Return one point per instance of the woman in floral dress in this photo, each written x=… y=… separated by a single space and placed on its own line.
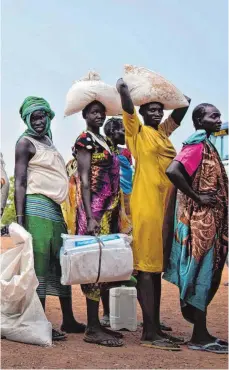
x=97 y=205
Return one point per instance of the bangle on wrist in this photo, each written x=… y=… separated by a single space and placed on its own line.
x=19 y=215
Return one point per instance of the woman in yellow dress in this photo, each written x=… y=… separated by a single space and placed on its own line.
x=150 y=199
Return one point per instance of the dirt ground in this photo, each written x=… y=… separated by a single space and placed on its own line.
x=74 y=353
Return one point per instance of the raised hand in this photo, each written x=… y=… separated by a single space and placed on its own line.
x=121 y=85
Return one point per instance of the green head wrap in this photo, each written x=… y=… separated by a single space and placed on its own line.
x=30 y=105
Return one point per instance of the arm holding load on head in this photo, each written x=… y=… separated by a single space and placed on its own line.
x=174 y=120
x=127 y=104
x=179 y=113
x=131 y=121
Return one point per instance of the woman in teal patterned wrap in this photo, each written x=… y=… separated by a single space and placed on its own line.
x=200 y=240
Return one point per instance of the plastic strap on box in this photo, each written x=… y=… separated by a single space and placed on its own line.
x=101 y=244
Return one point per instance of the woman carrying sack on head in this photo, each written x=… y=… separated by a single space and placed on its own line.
x=94 y=175
x=153 y=152
x=115 y=131
x=98 y=206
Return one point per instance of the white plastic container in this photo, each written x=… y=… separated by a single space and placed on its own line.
x=84 y=260
x=123 y=308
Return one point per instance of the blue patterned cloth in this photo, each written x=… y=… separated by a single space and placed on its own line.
x=126 y=174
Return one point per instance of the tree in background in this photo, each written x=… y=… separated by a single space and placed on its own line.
x=9 y=214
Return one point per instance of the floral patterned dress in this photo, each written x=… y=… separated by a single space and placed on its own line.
x=105 y=188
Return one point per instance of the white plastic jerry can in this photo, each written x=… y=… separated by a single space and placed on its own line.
x=123 y=308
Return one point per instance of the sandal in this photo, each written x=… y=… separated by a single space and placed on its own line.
x=109 y=342
x=221 y=342
x=210 y=347
x=113 y=333
x=58 y=335
x=163 y=344
x=164 y=327
x=173 y=339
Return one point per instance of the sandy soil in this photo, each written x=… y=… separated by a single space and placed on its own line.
x=74 y=353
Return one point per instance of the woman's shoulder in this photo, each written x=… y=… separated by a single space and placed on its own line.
x=25 y=145
x=84 y=136
x=85 y=140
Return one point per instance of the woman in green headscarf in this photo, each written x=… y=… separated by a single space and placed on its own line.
x=29 y=106
x=41 y=185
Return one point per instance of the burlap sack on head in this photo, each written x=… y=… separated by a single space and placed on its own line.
x=91 y=88
x=147 y=86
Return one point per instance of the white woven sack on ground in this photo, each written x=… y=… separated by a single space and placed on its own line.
x=147 y=86
x=22 y=315
x=91 y=88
